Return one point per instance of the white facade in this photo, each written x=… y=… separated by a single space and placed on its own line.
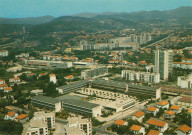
x=52 y=78
x=140 y=76
x=163 y=63
x=184 y=82
x=83 y=124
x=183 y=65
x=4 y=53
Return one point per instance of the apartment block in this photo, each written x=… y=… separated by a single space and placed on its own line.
x=184 y=82
x=94 y=73
x=163 y=63
x=140 y=76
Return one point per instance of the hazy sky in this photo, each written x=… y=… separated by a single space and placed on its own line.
x=33 y=8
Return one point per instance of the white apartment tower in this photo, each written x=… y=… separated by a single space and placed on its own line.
x=163 y=63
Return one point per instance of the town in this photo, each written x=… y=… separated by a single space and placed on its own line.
x=130 y=80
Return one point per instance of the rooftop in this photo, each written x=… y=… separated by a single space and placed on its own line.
x=139 y=114
x=184 y=128
x=151 y=108
x=120 y=122
x=185 y=99
x=154 y=132
x=136 y=127
x=163 y=103
x=175 y=107
x=45 y=99
x=21 y=116
x=156 y=122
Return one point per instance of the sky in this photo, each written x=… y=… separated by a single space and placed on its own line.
x=56 y=8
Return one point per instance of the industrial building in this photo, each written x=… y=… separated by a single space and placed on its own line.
x=163 y=63
x=48 y=64
x=46 y=102
x=140 y=76
x=127 y=88
x=94 y=73
x=73 y=87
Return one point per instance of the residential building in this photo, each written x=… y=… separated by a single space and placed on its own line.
x=22 y=118
x=184 y=82
x=8 y=89
x=182 y=65
x=176 y=109
x=153 y=110
x=184 y=130
x=46 y=102
x=163 y=63
x=169 y=114
x=53 y=78
x=84 y=125
x=37 y=92
x=35 y=127
x=48 y=118
x=163 y=104
x=3 y=86
x=69 y=77
x=160 y=125
x=73 y=87
x=11 y=116
x=94 y=73
x=14 y=80
x=2 y=81
x=154 y=132
x=140 y=76
x=4 y=53
x=121 y=123
x=185 y=101
x=137 y=129
x=138 y=116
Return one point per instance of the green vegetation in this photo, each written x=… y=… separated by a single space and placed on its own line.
x=183 y=118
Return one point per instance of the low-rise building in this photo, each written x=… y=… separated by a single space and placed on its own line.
x=184 y=130
x=185 y=101
x=160 y=125
x=8 y=89
x=14 y=80
x=176 y=109
x=3 y=86
x=2 y=81
x=46 y=102
x=153 y=110
x=138 y=116
x=69 y=77
x=169 y=114
x=137 y=129
x=11 y=116
x=154 y=132
x=52 y=78
x=4 y=53
x=22 y=118
x=121 y=122
x=163 y=104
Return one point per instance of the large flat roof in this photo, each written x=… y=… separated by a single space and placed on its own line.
x=110 y=83
x=79 y=103
x=73 y=84
x=45 y=99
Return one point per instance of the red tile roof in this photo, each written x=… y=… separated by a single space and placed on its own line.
x=22 y=116
x=170 y=112
x=156 y=122
x=120 y=122
x=11 y=114
x=136 y=127
x=163 y=103
x=139 y=114
x=151 y=108
x=175 y=107
x=153 y=132
x=184 y=128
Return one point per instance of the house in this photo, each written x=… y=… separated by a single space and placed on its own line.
x=69 y=77
x=176 y=109
x=161 y=125
x=184 y=130
x=185 y=101
x=153 y=110
x=138 y=129
x=11 y=116
x=154 y=132
x=190 y=111
x=14 y=80
x=169 y=114
x=163 y=104
x=53 y=78
x=8 y=89
x=2 y=81
x=121 y=122
x=22 y=118
x=138 y=116
x=3 y=86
